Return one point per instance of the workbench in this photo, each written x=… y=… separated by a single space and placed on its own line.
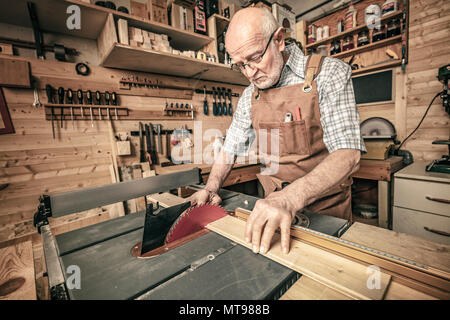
x=239 y=173
x=383 y=172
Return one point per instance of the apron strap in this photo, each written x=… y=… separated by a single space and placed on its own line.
x=313 y=65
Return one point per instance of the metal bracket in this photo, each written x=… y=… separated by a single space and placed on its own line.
x=44 y=211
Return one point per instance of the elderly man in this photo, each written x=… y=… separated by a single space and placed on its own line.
x=309 y=102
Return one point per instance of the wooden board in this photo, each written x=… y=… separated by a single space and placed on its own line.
x=14 y=73
x=430 y=253
x=165 y=199
x=346 y=276
x=17 y=272
x=306 y=288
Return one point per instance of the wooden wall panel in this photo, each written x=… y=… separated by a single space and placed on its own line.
x=32 y=163
x=428 y=50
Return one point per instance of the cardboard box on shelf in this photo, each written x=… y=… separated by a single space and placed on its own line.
x=286 y=19
x=157 y=11
x=138 y=9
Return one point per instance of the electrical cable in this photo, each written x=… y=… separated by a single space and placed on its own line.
x=425 y=114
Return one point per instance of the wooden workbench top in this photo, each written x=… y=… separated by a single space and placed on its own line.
x=380 y=170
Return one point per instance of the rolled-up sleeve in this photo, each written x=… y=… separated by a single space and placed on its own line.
x=339 y=115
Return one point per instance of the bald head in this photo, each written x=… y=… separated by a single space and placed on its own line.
x=250 y=46
x=248 y=24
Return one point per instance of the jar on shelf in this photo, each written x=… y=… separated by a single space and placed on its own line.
x=319 y=34
x=393 y=28
x=379 y=34
x=335 y=47
x=348 y=43
x=322 y=50
x=325 y=32
x=363 y=38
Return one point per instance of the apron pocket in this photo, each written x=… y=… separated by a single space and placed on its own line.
x=293 y=138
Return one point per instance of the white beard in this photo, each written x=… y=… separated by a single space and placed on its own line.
x=273 y=78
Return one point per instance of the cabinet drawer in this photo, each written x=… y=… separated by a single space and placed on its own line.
x=414 y=223
x=422 y=195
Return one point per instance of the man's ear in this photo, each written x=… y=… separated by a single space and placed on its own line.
x=279 y=39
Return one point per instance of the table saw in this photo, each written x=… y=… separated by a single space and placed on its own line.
x=205 y=266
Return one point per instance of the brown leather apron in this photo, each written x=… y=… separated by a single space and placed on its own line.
x=301 y=147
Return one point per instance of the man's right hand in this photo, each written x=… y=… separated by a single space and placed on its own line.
x=204 y=196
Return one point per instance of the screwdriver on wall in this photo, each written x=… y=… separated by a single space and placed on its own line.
x=50 y=92
x=224 y=94
x=114 y=103
x=205 y=102
x=80 y=101
x=219 y=104
x=89 y=101
x=107 y=97
x=69 y=95
x=214 y=102
x=98 y=97
x=230 y=107
x=61 y=101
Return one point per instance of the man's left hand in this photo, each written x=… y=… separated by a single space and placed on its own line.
x=269 y=214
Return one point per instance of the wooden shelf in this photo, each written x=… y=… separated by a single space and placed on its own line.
x=52 y=18
x=351 y=31
x=367 y=47
x=376 y=67
x=146 y=60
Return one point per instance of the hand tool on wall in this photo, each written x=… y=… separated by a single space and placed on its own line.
x=69 y=96
x=141 y=144
x=147 y=138
x=80 y=101
x=38 y=38
x=224 y=106
x=50 y=98
x=152 y=146
x=107 y=99
x=61 y=101
x=89 y=101
x=230 y=106
x=98 y=98
x=219 y=104
x=214 y=102
x=114 y=103
x=205 y=102
x=158 y=132
x=36 y=103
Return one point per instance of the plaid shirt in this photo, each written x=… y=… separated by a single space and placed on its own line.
x=338 y=113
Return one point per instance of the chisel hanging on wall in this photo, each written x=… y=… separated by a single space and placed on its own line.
x=61 y=101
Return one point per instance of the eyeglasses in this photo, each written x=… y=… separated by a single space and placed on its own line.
x=255 y=61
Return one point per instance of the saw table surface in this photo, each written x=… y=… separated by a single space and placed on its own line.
x=110 y=271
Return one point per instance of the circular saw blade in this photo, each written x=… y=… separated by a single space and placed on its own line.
x=193 y=220
x=377 y=127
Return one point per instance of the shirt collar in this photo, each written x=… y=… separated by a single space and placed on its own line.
x=296 y=61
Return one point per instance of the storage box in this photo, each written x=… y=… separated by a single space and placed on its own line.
x=157 y=11
x=123 y=148
x=181 y=17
